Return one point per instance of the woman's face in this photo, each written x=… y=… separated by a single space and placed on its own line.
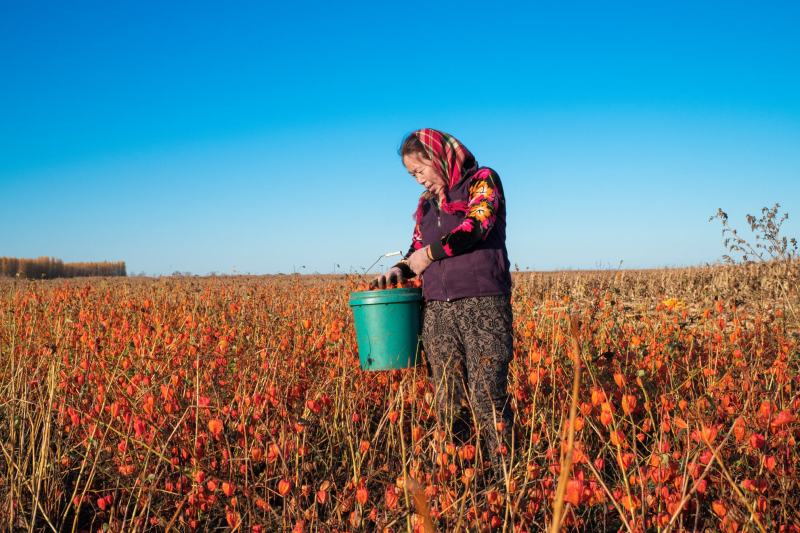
x=424 y=172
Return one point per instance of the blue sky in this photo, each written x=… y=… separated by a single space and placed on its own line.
x=262 y=138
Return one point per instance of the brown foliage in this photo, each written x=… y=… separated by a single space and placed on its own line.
x=211 y=403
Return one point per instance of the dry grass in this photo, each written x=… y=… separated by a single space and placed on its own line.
x=138 y=404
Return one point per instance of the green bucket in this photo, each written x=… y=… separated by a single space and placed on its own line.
x=387 y=327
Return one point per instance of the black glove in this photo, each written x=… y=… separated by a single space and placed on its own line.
x=393 y=276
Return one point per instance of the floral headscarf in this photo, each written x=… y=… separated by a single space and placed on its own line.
x=452 y=159
x=450 y=156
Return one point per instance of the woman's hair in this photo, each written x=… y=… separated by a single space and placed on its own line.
x=412 y=145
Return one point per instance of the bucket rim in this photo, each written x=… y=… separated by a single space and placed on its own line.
x=407 y=294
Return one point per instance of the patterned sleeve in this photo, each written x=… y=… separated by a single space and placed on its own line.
x=416 y=244
x=484 y=203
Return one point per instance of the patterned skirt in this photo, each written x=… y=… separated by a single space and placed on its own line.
x=468 y=344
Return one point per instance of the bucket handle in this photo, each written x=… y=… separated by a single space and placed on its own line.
x=387 y=254
x=370 y=360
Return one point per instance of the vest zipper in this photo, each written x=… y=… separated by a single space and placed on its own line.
x=444 y=282
x=444 y=273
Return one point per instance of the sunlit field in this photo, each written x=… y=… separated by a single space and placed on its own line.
x=237 y=402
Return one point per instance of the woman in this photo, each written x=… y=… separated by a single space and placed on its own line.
x=458 y=249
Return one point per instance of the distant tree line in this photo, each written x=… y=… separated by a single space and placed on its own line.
x=50 y=267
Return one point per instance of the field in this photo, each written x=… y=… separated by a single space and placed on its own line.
x=215 y=403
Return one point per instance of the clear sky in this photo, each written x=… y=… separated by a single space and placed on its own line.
x=262 y=137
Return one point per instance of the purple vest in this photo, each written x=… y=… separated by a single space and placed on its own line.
x=482 y=271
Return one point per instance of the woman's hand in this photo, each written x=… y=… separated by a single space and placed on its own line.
x=391 y=277
x=419 y=261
